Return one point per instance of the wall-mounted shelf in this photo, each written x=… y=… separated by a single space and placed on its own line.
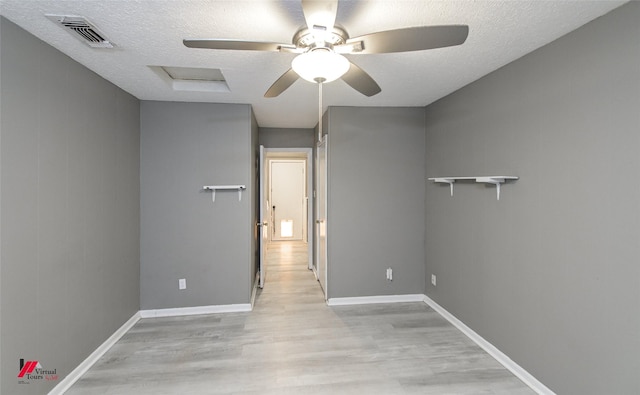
x=495 y=180
x=214 y=188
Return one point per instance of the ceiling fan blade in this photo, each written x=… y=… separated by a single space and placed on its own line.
x=411 y=39
x=214 y=43
x=286 y=80
x=361 y=81
x=320 y=14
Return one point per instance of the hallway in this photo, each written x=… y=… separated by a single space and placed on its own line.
x=293 y=343
x=288 y=281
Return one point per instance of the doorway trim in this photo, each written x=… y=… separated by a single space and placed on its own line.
x=289 y=153
x=321 y=191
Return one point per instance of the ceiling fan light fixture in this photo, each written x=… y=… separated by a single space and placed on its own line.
x=320 y=65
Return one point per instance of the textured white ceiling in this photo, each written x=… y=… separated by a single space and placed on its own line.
x=150 y=33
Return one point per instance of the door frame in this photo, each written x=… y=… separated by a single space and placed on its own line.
x=290 y=153
x=263 y=229
x=321 y=218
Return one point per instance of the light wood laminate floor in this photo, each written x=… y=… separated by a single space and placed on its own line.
x=293 y=343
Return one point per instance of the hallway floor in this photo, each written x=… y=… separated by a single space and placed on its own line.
x=293 y=343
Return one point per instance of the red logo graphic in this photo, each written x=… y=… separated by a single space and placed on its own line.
x=28 y=368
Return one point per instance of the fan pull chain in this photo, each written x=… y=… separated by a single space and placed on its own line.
x=319 y=112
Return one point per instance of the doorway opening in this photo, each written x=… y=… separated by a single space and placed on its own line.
x=288 y=198
x=286 y=201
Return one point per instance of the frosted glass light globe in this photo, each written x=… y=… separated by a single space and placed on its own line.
x=320 y=65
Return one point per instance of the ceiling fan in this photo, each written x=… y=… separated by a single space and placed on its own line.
x=321 y=45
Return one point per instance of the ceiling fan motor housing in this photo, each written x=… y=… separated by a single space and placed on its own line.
x=306 y=38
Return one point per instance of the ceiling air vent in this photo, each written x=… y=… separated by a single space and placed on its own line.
x=82 y=29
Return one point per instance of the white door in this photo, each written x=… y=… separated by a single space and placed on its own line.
x=288 y=202
x=321 y=215
x=263 y=225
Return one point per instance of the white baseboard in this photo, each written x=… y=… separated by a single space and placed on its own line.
x=375 y=299
x=85 y=365
x=501 y=357
x=197 y=310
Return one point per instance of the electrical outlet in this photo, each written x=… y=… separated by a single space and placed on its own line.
x=433 y=280
x=389 y=274
x=182 y=283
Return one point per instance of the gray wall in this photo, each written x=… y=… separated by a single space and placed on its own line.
x=376 y=201
x=185 y=146
x=70 y=209
x=286 y=138
x=549 y=274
